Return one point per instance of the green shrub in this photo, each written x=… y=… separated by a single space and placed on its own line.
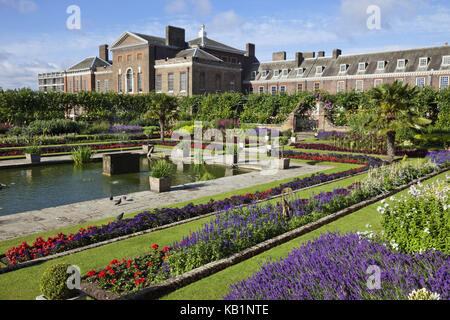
x=97 y=127
x=53 y=283
x=162 y=169
x=420 y=220
x=82 y=155
x=33 y=150
x=53 y=127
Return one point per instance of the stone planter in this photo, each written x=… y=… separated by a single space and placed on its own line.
x=282 y=163
x=33 y=158
x=231 y=159
x=81 y=296
x=160 y=185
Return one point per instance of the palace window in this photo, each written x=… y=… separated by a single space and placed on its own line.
x=120 y=83
x=253 y=75
x=377 y=82
x=340 y=86
x=299 y=87
x=202 y=81
x=316 y=86
x=119 y=59
x=283 y=89
x=183 y=82
x=98 y=86
x=285 y=72
x=300 y=71
x=106 y=85
x=443 y=82
x=423 y=62
x=446 y=60
x=129 y=81
x=343 y=68
x=139 y=79
x=381 y=65
x=261 y=89
x=158 y=83
x=401 y=64
x=274 y=90
x=170 y=82
x=420 y=82
x=359 y=85
x=139 y=56
x=218 y=82
x=362 y=66
x=319 y=70
x=276 y=73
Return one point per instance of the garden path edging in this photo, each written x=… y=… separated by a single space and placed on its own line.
x=158 y=290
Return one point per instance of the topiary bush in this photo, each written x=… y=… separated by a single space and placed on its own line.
x=53 y=283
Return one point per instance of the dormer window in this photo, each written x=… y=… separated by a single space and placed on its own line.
x=319 y=70
x=381 y=65
x=446 y=60
x=300 y=71
x=265 y=73
x=401 y=64
x=276 y=73
x=423 y=62
x=343 y=68
x=285 y=72
x=362 y=66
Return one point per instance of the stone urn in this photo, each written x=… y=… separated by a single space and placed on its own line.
x=231 y=159
x=160 y=185
x=148 y=148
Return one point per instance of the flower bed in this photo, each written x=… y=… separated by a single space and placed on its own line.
x=328 y=147
x=440 y=157
x=159 y=217
x=239 y=229
x=298 y=276
x=420 y=220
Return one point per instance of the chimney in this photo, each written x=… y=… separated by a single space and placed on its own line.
x=309 y=55
x=279 y=56
x=250 y=48
x=175 y=37
x=299 y=58
x=321 y=54
x=336 y=53
x=103 y=52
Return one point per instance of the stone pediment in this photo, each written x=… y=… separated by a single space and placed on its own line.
x=128 y=39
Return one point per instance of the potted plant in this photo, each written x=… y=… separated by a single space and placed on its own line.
x=53 y=285
x=33 y=154
x=293 y=137
x=281 y=162
x=231 y=157
x=160 y=177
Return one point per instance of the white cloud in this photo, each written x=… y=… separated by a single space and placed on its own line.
x=195 y=7
x=21 y=6
x=176 y=6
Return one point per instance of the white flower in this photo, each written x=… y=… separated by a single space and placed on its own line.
x=427 y=230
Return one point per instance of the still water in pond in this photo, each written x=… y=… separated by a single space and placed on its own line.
x=50 y=186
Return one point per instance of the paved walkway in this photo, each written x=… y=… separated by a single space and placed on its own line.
x=31 y=222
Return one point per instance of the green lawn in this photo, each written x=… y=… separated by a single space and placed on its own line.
x=216 y=286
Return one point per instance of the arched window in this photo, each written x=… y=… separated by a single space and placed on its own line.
x=130 y=81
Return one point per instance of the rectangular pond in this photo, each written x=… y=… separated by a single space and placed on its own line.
x=55 y=185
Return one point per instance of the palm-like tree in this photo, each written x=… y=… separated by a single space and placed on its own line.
x=161 y=107
x=393 y=110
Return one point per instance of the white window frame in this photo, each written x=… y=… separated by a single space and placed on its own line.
x=132 y=81
x=377 y=82
x=272 y=91
x=401 y=61
x=417 y=82
x=285 y=72
x=168 y=82
x=364 y=66
x=303 y=87
x=440 y=82
x=276 y=73
x=106 y=84
x=421 y=60
x=340 y=86
x=319 y=69
x=282 y=88
x=98 y=87
x=183 y=83
x=378 y=65
x=446 y=60
x=342 y=66
x=362 y=86
x=158 y=90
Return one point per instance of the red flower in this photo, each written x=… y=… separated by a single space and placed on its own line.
x=113 y=281
x=91 y=273
x=102 y=274
x=166 y=249
x=155 y=247
x=114 y=262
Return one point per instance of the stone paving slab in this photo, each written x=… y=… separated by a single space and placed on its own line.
x=21 y=224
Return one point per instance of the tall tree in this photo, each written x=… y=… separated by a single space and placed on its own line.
x=162 y=108
x=392 y=110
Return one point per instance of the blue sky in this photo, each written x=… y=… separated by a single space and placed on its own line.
x=35 y=39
